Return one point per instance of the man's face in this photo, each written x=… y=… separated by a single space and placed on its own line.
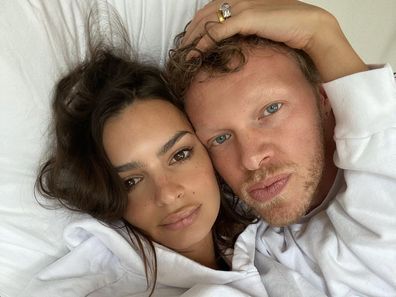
x=263 y=129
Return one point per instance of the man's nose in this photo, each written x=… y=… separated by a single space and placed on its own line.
x=168 y=190
x=255 y=149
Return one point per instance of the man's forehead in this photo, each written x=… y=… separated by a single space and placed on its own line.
x=266 y=63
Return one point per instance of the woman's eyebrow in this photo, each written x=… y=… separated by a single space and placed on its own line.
x=166 y=147
x=128 y=166
x=171 y=142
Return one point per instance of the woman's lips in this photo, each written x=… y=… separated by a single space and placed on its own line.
x=267 y=189
x=181 y=218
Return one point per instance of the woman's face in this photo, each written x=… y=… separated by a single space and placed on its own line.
x=172 y=189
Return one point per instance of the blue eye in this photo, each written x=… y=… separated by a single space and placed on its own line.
x=221 y=139
x=272 y=108
x=181 y=155
x=130 y=183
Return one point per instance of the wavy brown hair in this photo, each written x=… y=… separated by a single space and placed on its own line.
x=225 y=56
x=78 y=173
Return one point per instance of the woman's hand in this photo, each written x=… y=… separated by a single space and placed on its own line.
x=297 y=24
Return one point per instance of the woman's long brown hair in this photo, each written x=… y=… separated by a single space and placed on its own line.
x=78 y=173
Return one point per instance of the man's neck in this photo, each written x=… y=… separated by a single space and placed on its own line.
x=330 y=170
x=328 y=178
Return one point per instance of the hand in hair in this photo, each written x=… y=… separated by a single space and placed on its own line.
x=297 y=24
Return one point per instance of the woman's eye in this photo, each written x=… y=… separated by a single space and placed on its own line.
x=181 y=155
x=221 y=139
x=271 y=109
x=130 y=183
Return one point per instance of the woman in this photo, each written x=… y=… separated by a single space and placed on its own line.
x=125 y=153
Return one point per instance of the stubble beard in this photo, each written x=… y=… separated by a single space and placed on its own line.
x=286 y=208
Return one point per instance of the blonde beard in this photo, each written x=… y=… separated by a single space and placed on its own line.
x=285 y=209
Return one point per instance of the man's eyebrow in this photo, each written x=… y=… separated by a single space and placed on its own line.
x=166 y=147
x=171 y=142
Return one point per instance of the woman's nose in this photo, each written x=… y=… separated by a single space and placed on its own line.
x=168 y=190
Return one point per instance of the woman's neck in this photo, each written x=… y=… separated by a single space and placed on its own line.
x=203 y=252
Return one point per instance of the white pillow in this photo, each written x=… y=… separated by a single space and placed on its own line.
x=37 y=39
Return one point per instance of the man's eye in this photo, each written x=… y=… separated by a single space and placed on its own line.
x=271 y=109
x=181 y=155
x=221 y=139
x=130 y=183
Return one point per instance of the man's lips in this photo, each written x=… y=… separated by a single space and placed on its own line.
x=267 y=189
x=181 y=218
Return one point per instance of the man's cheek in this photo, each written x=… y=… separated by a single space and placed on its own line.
x=225 y=165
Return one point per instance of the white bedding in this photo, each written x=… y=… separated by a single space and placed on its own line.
x=37 y=39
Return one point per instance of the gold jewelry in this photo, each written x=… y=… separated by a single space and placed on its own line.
x=220 y=16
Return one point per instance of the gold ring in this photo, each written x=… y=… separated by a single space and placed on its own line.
x=220 y=16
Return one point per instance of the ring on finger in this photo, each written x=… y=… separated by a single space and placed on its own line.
x=220 y=16
x=225 y=10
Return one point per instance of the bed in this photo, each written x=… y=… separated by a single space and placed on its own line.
x=38 y=38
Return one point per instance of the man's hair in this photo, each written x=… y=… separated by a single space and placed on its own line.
x=226 y=56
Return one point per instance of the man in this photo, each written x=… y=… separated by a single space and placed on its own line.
x=315 y=160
